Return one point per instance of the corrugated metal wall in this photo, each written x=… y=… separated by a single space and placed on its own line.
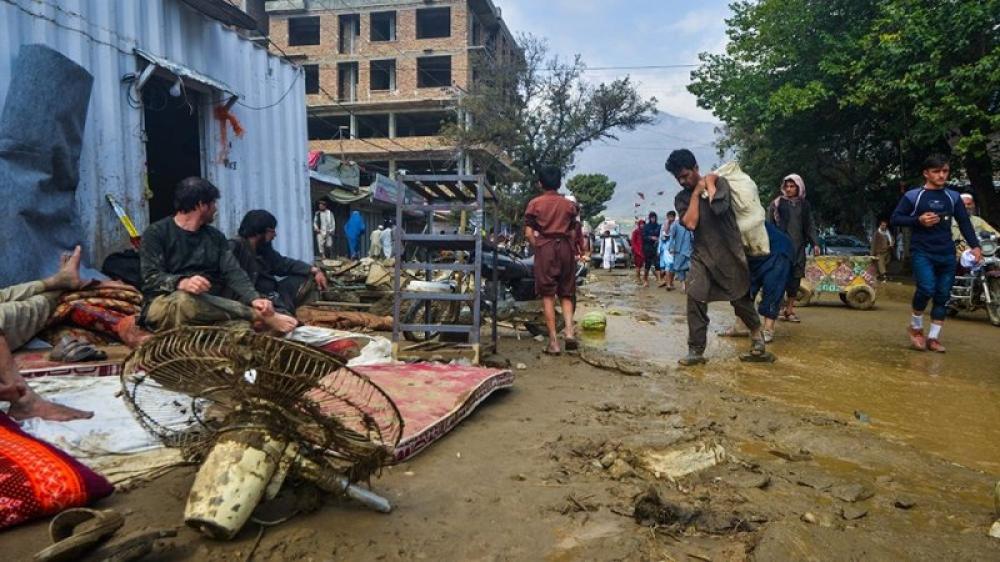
x=268 y=164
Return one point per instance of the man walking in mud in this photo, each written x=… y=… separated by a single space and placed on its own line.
x=551 y=228
x=719 y=270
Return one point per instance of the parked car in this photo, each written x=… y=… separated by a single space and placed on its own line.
x=622 y=259
x=843 y=245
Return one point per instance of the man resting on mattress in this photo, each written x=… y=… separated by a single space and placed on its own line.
x=24 y=311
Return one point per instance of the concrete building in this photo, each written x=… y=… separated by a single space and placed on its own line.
x=384 y=76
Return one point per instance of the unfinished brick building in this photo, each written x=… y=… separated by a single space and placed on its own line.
x=384 y=76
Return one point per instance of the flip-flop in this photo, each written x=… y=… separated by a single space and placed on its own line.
x=547 y=351
x=76 y=531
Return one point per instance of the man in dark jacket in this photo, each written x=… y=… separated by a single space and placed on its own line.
x=187 y=269
x=929 y=211
x=264 y=265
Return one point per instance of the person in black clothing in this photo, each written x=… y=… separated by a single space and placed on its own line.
x=188 y=269
x=650 y=247
x=929 y=211
x=255 y=253
x=791 y=213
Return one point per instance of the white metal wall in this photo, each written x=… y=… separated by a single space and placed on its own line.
x=268 y=164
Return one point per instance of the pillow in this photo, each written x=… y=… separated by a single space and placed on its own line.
x=37 y=479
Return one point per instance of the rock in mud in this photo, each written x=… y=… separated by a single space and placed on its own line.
x=608 y=460
x=852 y=513
x=681 y=462
x=904 y=503
x=851 y=492
x=621 y=469
x=995 y=530
x=808 y=517
x=749 y=480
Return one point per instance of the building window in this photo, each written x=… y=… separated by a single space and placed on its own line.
x=373 y=126
x=312 y=78
x=329 y=127
x=422 y=124
x=383 y=75
x=347 y=81
x=434 y=72
x=303 y=31
x=383 y=26
x=350 y=33
x=433 y=23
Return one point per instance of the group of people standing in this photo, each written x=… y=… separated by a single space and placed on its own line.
x=664 y=249
x=325 y=228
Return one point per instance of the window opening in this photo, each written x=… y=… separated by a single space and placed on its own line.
x=303 y=31
x=312 y=78
x=433 y=23
x=383 y=75
x=434 y=72
x=383 y=26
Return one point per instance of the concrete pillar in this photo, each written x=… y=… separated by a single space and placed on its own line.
x=354 y=126
x=392 y=125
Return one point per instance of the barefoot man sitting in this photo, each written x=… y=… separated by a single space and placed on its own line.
x=187 y=266
x=24 y=311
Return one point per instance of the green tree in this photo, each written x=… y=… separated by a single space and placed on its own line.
x=592 y=192
x=538 y=109
x=852 y=94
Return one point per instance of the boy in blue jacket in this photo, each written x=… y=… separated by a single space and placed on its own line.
x=929 y=212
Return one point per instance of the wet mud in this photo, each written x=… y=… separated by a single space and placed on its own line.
x=616 y=454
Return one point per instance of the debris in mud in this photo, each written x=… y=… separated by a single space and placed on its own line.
x=995 y=530
x=904 y=503
x=749 y=480
x=852 y=513
x=621 y=469
x=650 y=510
x=608 y=460
x=808 y=517
x=862 y=417
x=799 y=456
x=851 y=492
x=679 y=463
x=602 y=360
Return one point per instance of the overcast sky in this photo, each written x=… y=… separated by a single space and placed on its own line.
x=630 y=33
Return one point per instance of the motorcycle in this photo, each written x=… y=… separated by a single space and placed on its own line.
x=979 y=288
x=517 y=301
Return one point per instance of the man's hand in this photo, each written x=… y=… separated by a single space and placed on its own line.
x=978 y=254
x=263 y=306
x=196 y=285
x=929 y=219
x=320 y=278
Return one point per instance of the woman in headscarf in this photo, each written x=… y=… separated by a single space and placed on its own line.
x=637 y=256
x=354 y=229
x=791 y=213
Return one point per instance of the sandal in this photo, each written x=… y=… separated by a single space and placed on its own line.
x=70 y=350
x=793 y=318
x=758 y=353
x=77 y=531
x=548 y=351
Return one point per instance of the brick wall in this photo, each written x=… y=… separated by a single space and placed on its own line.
x=405 y=50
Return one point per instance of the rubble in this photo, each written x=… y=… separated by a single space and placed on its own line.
x=681 y=462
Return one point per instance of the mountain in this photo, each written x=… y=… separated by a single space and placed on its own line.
x=635 y=161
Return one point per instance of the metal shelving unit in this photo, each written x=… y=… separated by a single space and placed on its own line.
x=443 y=193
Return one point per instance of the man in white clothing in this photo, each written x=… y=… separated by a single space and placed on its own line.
x=324 y=225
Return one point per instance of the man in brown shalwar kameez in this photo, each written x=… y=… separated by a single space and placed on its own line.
x=719 y=270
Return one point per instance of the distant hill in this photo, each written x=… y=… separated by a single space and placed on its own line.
x=636 y=162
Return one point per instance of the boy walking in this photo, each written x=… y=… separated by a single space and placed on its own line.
x=929 y=211
x=551 y=228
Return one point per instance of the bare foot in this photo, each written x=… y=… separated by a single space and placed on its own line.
x=12 y=392
x=280 y=322
x=68 y=276
x=34 y=406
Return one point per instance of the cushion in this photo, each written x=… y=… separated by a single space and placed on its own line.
x=37 y=479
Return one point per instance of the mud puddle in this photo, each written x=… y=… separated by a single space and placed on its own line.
x=851 y=364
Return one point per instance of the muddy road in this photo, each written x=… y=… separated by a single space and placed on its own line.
x=578 y=462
